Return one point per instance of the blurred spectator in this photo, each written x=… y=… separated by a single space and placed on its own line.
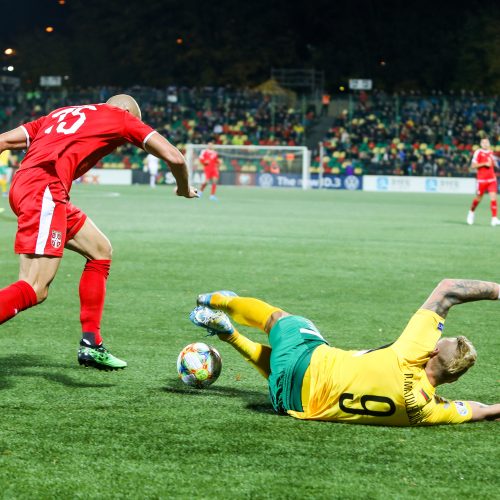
x=325 y=104
x=152 y=164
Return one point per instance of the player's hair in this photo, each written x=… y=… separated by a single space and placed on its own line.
x=126 y=102
x=455 y=362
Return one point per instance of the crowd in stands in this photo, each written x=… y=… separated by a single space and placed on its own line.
x=221 y=115
x=226 y=116
x=7 y=108
x=411 y=134
x=403 y=134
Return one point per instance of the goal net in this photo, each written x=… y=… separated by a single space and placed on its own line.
x=265 y=166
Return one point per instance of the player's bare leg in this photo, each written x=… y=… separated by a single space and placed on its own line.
x=92 y=244
x=36 y=272
x=39 y=271
x=475 y=203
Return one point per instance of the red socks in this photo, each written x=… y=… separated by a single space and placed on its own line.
x=92 y=295
x=16 y=298
x=214 y=188
x=20 y=296
x=493 y=206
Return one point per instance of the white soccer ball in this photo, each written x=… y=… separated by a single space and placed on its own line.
x=199 y=365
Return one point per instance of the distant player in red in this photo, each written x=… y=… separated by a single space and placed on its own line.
x=483 y=161
x=61 y=147
x=210 y=161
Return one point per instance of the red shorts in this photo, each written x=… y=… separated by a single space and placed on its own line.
x=489 y=185
x=46 y=219
x=211 y=172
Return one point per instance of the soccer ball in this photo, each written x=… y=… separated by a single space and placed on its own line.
x=199 y=365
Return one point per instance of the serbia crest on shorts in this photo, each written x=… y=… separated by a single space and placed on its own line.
x=56 y=239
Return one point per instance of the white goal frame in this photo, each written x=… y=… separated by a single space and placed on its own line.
x=306 y=155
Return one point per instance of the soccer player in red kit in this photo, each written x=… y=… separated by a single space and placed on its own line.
x=210 y=161
x=483 y=162
x=61 y=147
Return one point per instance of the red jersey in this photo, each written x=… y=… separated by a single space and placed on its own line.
x=484 y=156
x=209 y=158
x=75 y=138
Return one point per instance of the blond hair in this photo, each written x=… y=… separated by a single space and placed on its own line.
x=456 y=362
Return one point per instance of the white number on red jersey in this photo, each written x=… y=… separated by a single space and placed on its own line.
x=68 y=115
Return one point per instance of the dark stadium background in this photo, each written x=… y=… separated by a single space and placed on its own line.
x=424 y=45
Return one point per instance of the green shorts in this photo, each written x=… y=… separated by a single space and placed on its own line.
x=293 y=340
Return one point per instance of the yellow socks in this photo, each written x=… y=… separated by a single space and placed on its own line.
x=244 y=310
x=258 y=355
x=250 y=312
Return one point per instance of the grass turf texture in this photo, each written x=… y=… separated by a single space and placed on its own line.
x=358 y=264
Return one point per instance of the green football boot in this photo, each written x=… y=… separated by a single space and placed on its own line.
x=99 y=357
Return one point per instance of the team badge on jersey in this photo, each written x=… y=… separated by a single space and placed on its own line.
x=461 y=408
x=56 y=239
x=440 y=326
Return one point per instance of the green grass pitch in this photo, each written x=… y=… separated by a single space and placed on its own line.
x=357 y=264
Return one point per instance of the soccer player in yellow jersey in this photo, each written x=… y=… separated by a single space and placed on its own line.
x=4 y=164
x=392 y=385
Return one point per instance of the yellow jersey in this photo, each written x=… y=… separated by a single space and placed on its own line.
x=386 y=386
x=4 y=158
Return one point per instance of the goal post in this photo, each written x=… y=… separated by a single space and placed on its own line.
x=266 y=166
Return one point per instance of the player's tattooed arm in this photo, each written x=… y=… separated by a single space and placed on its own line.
x=13 y=139
x=452 y=292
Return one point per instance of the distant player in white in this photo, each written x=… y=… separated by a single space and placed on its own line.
x=153 y=166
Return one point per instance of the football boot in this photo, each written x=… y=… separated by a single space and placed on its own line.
x=213 y=321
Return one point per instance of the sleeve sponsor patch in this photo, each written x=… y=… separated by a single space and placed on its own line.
x=440 y=326
x=461 y=408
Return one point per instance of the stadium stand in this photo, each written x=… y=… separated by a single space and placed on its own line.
x=410 y=134
x=403 y=134
x=8 y=107
x=222 y=115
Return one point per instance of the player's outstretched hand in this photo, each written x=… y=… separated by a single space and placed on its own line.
x=190 y=193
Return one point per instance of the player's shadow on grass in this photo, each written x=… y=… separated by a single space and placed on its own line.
x=25 y=365
x=457 y=223
x=255 y=400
